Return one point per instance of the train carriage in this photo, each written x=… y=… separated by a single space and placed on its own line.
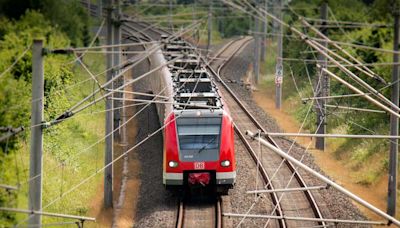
x=198 y=134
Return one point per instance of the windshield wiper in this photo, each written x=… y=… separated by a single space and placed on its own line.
x=205 y=146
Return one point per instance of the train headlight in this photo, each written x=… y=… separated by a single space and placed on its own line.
x=225 y=163
x=173 y=164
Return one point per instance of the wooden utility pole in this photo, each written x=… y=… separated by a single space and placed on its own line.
x=108 y=156
x=36 y=150
x=322 y=83
x=279 y=65
x=117 y=104
x=394 y=122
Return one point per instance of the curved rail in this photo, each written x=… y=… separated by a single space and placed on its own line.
x=197 y=214
x=261 y=169
x=299 y=179
x=264 y=173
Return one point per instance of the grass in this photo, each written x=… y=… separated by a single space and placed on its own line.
x=367 y=158
x=66 y=161
x=182 y=17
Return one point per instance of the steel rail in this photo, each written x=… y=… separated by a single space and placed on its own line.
x=181 y=211
x=253 y=154
x=180 y=220
x=181 y=205
x=300 y=180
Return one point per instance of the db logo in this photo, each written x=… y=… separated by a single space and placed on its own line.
x=199 y=165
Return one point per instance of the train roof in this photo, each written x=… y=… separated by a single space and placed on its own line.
x=193 y=85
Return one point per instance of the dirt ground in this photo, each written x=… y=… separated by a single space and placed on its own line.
x=375 y=194
x=124 y=210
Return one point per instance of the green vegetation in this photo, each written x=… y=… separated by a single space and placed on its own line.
x=68 y=158
x=226 y=23
x=367 y=158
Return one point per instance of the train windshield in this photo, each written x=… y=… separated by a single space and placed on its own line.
x=199 y=138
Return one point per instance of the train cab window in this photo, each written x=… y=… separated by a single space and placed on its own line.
x=199 y=138
x=198 y=142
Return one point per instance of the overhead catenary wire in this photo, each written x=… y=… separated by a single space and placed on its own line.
x=89 y=72
x=354 y=108
x=91 y=43
x=67 y=113
x=113 y=161
x=107 y=164
x=11 y=132
x=75 y=108
x=52 y=224
x=123 y=86
x=102 y=139
x=342 y=22
x=360 y=92
x=363 y=68
x=345 y=33
x=320 y=48
x=63 y=193
x=16 y=61
x=50 y=214
x=110 y=46
x=327 y=180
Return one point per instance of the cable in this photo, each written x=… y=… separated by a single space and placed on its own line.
x=16 y=61
x=90 y=45
x=342 y=22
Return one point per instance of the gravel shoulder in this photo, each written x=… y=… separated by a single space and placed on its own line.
x=332 y=203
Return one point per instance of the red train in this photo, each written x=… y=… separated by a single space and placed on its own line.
x=198 y=135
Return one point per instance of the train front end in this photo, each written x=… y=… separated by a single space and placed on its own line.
x=199 y=149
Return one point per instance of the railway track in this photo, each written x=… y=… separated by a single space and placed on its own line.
x=199 y=213
x=301 y=203
x=296 y=204
x=194 y=212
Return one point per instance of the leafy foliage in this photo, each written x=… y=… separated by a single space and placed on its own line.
x=374 y=12
x=62 y=142
x=68 y=16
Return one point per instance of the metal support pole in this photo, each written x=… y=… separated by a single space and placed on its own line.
x=279 y=65
x=36 y=158
x=322 y=84
x=209 y=25
x=88 y=6
x=256 y=65
x=170 y=16
x=194 y=18
x=108 y=156
x=264 y=31
x=100 y=9
x=324 y=179
x=317 y=47
x=117 y=62
x=394 y=124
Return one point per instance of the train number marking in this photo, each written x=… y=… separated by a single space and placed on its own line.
x=199 y=165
